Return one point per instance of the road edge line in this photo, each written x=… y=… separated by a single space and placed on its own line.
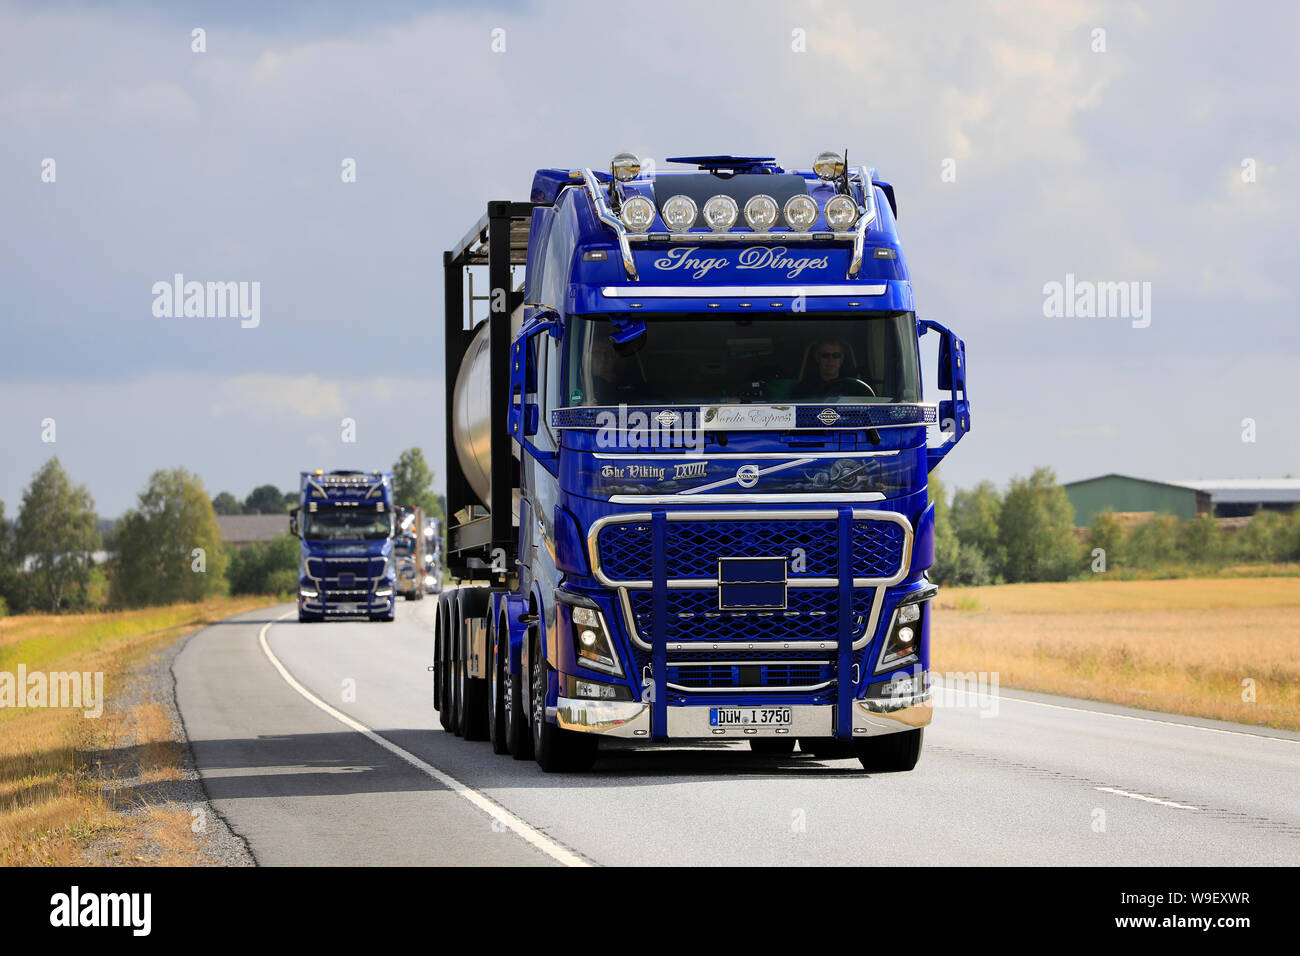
x=527 y=831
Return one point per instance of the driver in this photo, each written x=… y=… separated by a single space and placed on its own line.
x=829 y=362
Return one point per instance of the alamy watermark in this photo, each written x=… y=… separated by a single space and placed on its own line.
x=71 y=690
x=1085 y=299
x=179 y=299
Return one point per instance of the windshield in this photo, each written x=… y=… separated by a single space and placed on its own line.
x=711 y=359
x=403 y=546
x=347 y=525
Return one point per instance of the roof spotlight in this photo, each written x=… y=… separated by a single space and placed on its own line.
x=721 y=213
x=828 y=165
x=760 y=213
x=625 y=166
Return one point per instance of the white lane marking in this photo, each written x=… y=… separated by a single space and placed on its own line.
x=485 y=803
x=1139 y=796
x=1147 y=720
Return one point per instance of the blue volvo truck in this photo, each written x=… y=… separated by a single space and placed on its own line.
x=687 y=458
x=344 y=521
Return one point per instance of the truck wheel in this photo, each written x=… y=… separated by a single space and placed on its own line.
x=471 y=701
x=496 y=687
x=772 y=746
x=557 y=750
x=892 y=753
x=519 y=738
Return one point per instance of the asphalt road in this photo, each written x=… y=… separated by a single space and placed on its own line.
x=361 y=774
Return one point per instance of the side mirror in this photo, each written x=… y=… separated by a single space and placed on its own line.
x=293 y=523
x=525 y=415
x=954 y=413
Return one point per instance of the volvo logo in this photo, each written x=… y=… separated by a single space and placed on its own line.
x=747 y=476
x=828 y=416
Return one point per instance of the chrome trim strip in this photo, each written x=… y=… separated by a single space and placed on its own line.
x=802 y=688
x=737 y=455
x=729 y=498
x=867 y=514
x=606 y=215
x=742 y=235
x=865 y=220
x=811 y=290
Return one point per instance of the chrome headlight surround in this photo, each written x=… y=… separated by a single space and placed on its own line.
x=721 y=213
x=679 y=213
x=800 y=213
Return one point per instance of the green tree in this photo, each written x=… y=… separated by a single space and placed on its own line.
x=227 y=504
x=413 y=483
x=975 y=514
x=1154 y=544
x=1036 y=530
x=264 y=566
x=169 y=546
x=1107 y=533
x=265 y=500
x=11 y=597
x=1262 y=539
x=56 y=536
x=1199 y=540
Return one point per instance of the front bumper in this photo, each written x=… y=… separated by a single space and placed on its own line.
x=872 y=717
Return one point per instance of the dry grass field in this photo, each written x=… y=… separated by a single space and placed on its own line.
x=54 y=801
x=1188 y=646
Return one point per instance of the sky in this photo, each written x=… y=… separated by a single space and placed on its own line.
x=1026 y=142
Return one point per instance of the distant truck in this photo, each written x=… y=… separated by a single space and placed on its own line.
x=432 y=556
x=344 y=520
x=409 y=552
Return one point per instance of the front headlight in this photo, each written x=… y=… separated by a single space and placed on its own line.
x=591 y=642
x=903 y=642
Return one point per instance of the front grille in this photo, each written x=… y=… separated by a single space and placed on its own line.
x=811 y=615
x=626 y=550
x=346 y=575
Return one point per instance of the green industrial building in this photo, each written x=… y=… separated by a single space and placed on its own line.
x=1122 y=493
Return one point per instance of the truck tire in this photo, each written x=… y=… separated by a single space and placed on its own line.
x=498 y=656
x=557 y=750
x=441 y=671
x=772 y=746
x=892 y=753
x=471 y=699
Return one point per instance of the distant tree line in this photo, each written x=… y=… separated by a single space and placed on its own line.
x=167 y=548
x=984 y=536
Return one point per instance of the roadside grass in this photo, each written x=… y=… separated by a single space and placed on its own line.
x=1198 y=647
x=55 y=799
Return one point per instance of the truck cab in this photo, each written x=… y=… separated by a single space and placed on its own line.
x=708 y=519
x=344 y=521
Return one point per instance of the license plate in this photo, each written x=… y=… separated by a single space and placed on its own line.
x=750 y=716
x=349 y=608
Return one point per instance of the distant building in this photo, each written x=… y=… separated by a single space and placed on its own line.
x=243 y=530
x=1240 y=497
x=1124 y=493
x=1222 y=498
